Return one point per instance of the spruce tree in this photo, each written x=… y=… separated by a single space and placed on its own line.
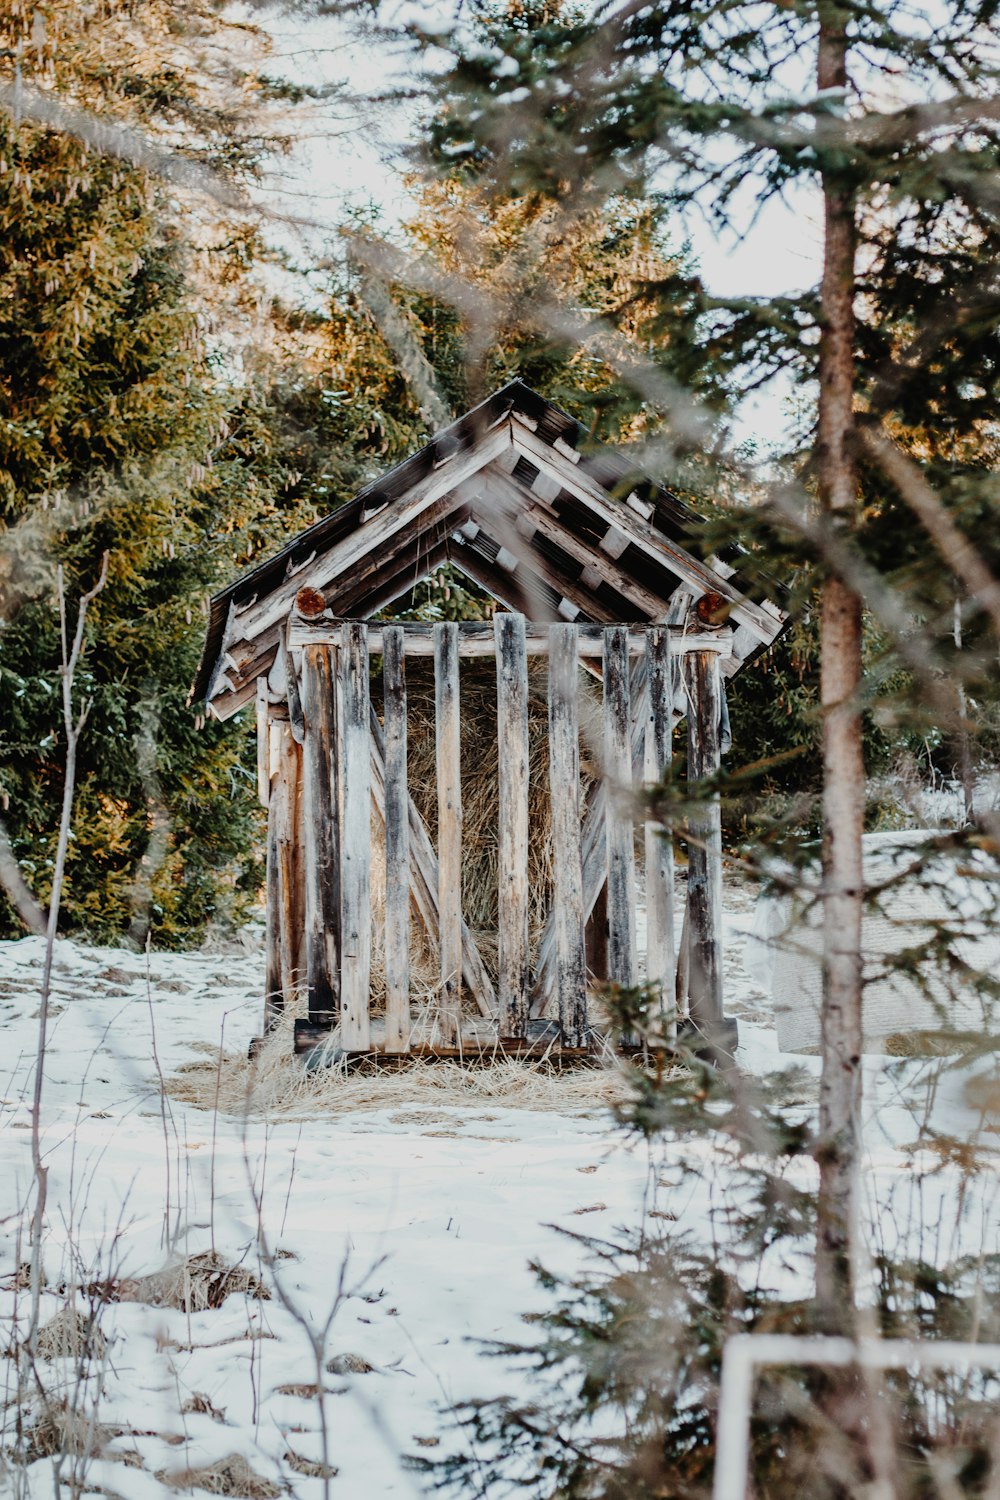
x=123 y=431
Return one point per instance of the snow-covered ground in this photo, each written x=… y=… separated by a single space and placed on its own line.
x=412 y=1224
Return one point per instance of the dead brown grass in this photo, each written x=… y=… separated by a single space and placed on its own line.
x=59 y=1428
x=228 y=1476
x=310 y=1468
x=278 y=1083
x=71 y=1334
x=194 y=1284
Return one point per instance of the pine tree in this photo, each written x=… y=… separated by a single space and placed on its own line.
x=122 y=431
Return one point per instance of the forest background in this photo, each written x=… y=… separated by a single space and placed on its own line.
x=187 y=381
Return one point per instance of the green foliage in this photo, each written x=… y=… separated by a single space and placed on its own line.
x=115 y=435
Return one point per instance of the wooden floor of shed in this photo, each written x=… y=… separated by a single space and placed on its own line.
x=479 y=1040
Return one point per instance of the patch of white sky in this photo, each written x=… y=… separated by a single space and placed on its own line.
x=351 y=157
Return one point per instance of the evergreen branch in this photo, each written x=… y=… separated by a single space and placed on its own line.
x=955 y=548
x=119 y=141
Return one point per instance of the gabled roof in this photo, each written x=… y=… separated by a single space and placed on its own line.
x=506 y=495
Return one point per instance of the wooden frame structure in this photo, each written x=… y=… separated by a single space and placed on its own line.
x=593 y=566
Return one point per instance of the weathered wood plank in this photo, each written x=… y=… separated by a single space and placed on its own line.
x=567 y=873
x=274 y=999
x=659 y=845
x=618 y=818
x=263 y=744
x=286 y=900
x=449 y=789
x=704 y=850
x=424 y=884
x=594 y=854
x=321 y=833
x=397 y=847
x=512 y=759
x=292 y=868
x=355 y=842
x=475 y=639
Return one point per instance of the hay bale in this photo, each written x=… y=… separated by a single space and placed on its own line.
x=480 y=809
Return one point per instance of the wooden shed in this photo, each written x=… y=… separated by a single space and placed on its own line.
x=592 y=565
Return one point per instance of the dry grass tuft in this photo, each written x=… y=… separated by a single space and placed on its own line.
x=192 y=1285
x=198 y=1404
x=311 y=1468
x=227 y=1476
x=59 y=1429
x=278 y=1083
x=71 y=1334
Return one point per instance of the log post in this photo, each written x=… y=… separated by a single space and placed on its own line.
x=705 y=853
x=567 y=864
x=619 y=815
x=321 y=835
x=274 y=999
x=512 y=891
x=285 y=898
x=355 y=841
x=659 y=851
x=449 y=789
x=397 y=847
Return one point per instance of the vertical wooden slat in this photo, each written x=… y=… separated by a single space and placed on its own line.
x=274 y=999
x=355 y=844
x=661 y=961
x=704 y=848
x=397 y=846
x=512 y=893
x=567 y=868
x=263 y=743
x=618 y=818
x=449 y=754
x=321 y=835
x=287 y=760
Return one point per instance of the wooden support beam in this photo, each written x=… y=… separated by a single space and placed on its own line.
x=355 y=841
x=274 y=999
x=321 y=833
x=263 y=744
x=594 y=854
x=449 y=788
x=475 y=639
x=619 y=817
x=567 y=874
x=397 y=847
x=704 y=850
x=286 y=799
x=659 y=843
x=512 y=831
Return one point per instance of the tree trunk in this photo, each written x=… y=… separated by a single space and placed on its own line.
x=843 y=765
